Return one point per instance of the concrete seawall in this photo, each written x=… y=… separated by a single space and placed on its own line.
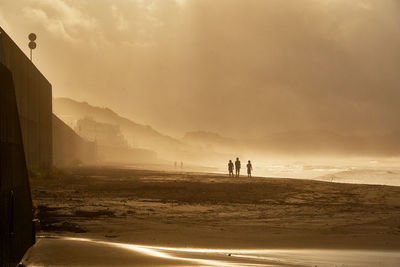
x=34 y=100
x=16 y=229
x=69 y=148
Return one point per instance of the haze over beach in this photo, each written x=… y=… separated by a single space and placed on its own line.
x=277 y=156
x=130 y=110
x=240 y=69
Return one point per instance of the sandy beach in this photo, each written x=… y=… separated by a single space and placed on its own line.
x=214 y=211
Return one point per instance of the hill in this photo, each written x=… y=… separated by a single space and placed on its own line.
x=209 y=147
x=137 y=135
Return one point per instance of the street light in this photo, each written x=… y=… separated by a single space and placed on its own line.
x=32 y=44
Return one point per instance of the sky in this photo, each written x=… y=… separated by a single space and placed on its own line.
x=238 y=68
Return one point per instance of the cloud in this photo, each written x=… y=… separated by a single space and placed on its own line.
x=60 y=19
x=231 y=66
x=120 y=20
x=3 y=21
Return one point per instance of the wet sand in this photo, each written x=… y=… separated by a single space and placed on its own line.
x=214 y=211
x=89 y=252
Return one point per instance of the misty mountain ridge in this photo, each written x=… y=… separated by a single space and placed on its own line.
x=137 y=135
x=311 y=143
x=198 y=144
x=69 y=108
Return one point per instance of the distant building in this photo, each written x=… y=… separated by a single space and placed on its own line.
x=102 y=133
x=112 y=147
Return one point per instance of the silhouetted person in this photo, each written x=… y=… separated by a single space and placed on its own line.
x=237 y=167
x=249 y=169
x=175 y=164
x=181 y=164
x=230 y=168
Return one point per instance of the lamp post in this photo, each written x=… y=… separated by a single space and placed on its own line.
x=32 y=44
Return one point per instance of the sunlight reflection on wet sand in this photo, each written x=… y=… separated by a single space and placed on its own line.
x=70 y=251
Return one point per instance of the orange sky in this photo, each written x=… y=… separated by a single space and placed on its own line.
x=240 y=68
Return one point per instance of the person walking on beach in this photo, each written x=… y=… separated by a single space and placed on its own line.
x=249 y=169
x=237 y=167
x=230 y=168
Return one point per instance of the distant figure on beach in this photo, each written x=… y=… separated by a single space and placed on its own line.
x=230 y=168
x=181 y=164
x=175 y=164
x=237 y=167
x=249 y=168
